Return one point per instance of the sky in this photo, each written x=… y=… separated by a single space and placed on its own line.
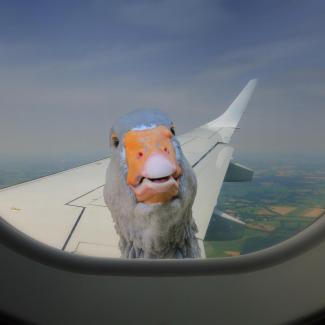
x=69 y=69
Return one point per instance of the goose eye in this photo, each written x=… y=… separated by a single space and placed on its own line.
x=172 y=130
x=115 y=140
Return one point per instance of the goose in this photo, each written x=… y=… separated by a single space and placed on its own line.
x=150 y=188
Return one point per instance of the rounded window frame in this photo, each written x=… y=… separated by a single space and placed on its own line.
x=24 y=245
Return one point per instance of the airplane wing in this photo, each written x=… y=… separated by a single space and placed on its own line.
x=66 y=210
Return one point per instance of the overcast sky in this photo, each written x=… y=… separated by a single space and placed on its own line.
x=68 y=69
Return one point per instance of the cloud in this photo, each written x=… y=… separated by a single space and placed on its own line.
x=180 y=58
x=174 y=17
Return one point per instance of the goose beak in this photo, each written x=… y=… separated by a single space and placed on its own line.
x=153 y=171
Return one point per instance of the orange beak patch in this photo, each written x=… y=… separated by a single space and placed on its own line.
x=153 y=171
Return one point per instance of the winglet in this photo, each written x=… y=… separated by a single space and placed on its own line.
x=232 y=115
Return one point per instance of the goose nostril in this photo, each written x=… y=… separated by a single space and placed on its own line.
x=140 y=154
x=166 y=150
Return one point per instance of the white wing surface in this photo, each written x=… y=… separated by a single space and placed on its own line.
x=66 y=210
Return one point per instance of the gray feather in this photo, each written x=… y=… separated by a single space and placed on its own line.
x=151 y=230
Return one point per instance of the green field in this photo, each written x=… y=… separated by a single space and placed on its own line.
x=282 y=200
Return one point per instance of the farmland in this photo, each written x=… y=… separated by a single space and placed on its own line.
x=282 y=200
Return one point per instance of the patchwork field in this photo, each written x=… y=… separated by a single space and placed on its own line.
x=265 y=212
x=283 y=210
x=314 y=212
x=282 y=200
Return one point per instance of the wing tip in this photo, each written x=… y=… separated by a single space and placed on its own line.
x=252 y=83
x=233 y=114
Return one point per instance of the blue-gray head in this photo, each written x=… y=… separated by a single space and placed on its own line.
x=145 y=140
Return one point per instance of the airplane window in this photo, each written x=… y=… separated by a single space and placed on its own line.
x=68 y=79
x=154 y=203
